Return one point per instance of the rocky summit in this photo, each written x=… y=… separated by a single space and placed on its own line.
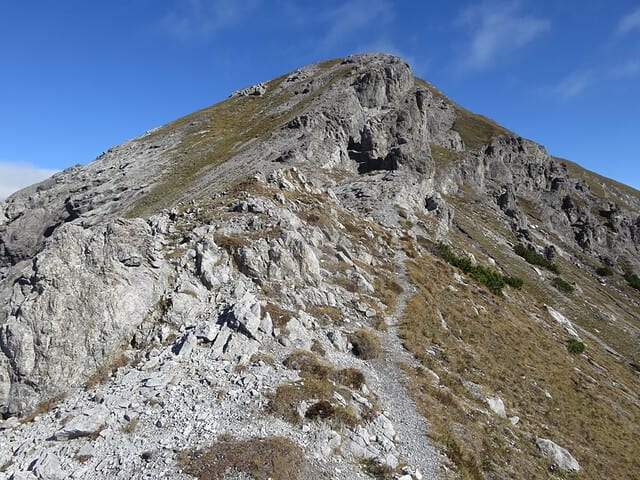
x=338 y=273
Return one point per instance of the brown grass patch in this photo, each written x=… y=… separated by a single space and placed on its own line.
x=349 y=377
x=105 y=371
x=366 y=344
x=276 y=458
x=511 y=352
x=279 y=316
x=307 y=364
x=387 y=289
x=43 y=407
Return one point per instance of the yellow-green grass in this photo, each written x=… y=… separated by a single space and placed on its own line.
x=213 y=135
x=515 y=350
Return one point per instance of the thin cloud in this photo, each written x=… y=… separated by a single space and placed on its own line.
x=574 y=84
x=578 y=82
x=629 y=22
x=201 y=19
x=14 y=176
x=629 y=69
x=497 y=29
x=349 y=19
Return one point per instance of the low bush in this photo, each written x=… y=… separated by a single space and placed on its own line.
x=366 y=344
x=514 y=282
x=604 y=271
x=575 y=346
x=494 y=280
x=277 y=458
x=562 y=285
x=534 y=258
x=633 y=280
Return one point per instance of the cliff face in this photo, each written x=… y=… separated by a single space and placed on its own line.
x=292 y=235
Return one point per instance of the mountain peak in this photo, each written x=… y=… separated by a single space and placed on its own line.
x=339 y=269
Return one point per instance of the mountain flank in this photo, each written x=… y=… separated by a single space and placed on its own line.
x=338 y=273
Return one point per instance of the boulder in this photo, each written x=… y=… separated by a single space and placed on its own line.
x=89 y=422
x=560 y=457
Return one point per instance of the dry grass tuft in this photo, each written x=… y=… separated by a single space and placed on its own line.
x=320 y=381
x=387 y=288
x=349 y=377
x=279 y=316
x=118 y=360
x=277 y=458
x=307 y=364
x=43 y=407
x=366 y=344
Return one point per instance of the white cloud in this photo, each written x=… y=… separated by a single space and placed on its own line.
x=497 y=29
x=200 y=19
x=350 y=18
x=574 y=84
x=629 y=22
x=14 y=176
x=629 y=69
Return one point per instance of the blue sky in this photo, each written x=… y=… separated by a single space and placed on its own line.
x=77 y=77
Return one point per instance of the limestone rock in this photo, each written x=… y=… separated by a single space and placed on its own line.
x=497 y=405
x=561 y=457
x=79 y=279
x=87 y=423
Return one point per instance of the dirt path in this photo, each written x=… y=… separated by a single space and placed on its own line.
x=391 y=384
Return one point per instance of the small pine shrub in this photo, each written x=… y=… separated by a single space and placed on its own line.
x=534 y=258
x=562 y=285
x=494 y=280
x=575 y=346
x=514 y=282
x=604 y=271
x=633 y=280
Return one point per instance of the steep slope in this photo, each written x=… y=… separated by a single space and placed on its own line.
x=269 y=275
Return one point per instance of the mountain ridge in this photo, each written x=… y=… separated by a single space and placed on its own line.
x=269 y=233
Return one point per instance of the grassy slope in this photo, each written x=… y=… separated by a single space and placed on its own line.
x=213 y=135
x=513 y=348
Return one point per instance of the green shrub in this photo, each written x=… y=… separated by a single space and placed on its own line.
x=534 y=258
x=494 y=280
x=562 y=285
x=575 y=346
x=514 y=282
x=633 y=280
x=604 y=271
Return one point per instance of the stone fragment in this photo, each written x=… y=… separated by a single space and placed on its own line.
x=90 y=422
x=186 y=344
x=560 y=456
x=497 y=405
x=207 y=331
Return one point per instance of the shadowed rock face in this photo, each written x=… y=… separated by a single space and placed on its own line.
x=295 y=192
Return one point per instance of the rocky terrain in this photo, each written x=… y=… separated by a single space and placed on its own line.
x=339 y=273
